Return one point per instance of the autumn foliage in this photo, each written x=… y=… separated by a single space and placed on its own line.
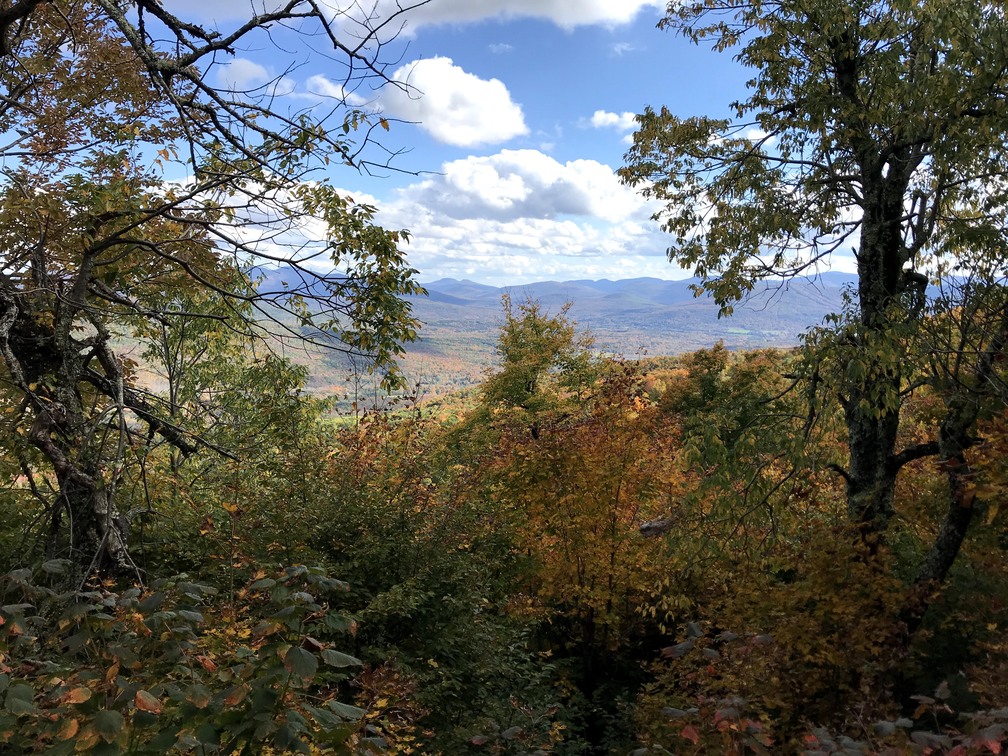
x=796 y=551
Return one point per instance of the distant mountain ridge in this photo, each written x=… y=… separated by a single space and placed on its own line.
x=631 y=317
x=775 y=315
x=629 y=293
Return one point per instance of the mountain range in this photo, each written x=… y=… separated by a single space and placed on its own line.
x=632 y=317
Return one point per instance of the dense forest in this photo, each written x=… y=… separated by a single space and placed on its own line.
x=764 y=551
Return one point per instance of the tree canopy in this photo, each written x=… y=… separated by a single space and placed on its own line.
x=136 y=195
x=875 y=127
x=199 y=556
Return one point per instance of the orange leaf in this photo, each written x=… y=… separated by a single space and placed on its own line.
x=69 y=729
x=88 y=739
x=689 y=732
x=207 y=663
x=77 y=696
x=236 y=696
x=144 y=701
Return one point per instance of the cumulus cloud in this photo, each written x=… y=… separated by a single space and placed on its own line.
x=244 y=75
x=519 y=184
x=521 y=216
x=602 y=119
x=624 y=122
x=563 y=13
x=318 y=87
x=453 y=106
x=241 y=74
x=757 y=135
x=528 y=250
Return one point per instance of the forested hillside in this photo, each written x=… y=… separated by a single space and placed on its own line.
x=632 y=318
x=795 y=550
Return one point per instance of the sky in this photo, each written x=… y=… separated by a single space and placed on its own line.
x=518 y=114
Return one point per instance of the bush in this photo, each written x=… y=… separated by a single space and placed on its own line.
x=173 y=666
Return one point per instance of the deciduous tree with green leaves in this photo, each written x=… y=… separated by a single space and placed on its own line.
x=873 y=126
x=130 y=184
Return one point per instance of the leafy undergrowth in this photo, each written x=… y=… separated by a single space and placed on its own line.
x=175 y=667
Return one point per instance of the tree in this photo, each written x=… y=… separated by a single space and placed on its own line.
x=543 y=360
x=131 y=182
x=875 y=124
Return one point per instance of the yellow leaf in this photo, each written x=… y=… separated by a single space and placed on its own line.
x=992 y=512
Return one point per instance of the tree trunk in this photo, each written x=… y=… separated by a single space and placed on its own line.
x=870 y=407
x=47 y=364
x=871 y=479
x=97 y=534
x=955 y=437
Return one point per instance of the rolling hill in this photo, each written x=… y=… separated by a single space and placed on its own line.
x=632 y=317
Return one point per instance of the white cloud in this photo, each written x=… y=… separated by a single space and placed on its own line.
x=244 y=75
x=521 y=216
x=500 y=48
x=319 y=87
x=241 y=74
x=453 y=106
x=757 y=135
x=517 y=184
x=563 y=13
x=507 y=219
x=602 y=119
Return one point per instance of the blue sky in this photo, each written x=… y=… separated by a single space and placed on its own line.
x=518 y=115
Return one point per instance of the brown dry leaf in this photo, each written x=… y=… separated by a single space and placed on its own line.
x=69 y=729
x=236 y=696
x=145 y=701
x=77 y=696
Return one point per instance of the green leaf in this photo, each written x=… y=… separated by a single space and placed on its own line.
x=287 y=739
x=208 y=734
x=16 y=608
x=108 y=724
x=153 y=602
x=301 y=663
x=20 y=699
x=325 y=718
x=56 y=566
x=198 y=695
x=338 y=659
x=195 y=617
x=346 y=711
